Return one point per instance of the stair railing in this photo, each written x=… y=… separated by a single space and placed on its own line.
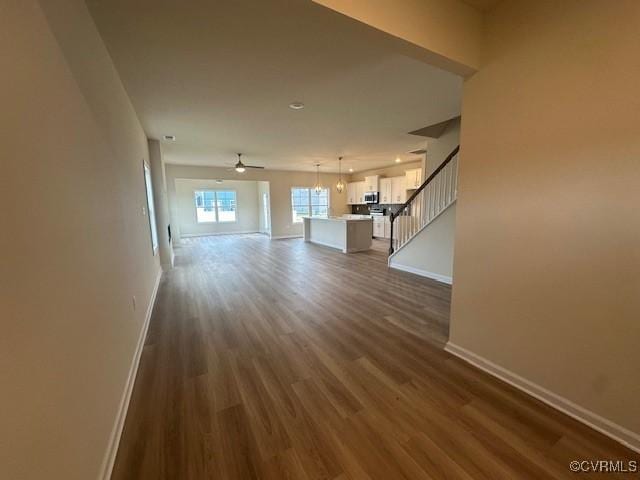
x=437 y=192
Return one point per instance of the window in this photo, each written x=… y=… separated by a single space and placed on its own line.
x=226 y=206
x=307 y=202
x=151 y=211
x=319 y=203
x=215 y=206
x=299 y=203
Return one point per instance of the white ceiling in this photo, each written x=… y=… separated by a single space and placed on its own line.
x=220 y=76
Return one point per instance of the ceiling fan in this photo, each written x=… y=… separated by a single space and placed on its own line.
x=241 y=167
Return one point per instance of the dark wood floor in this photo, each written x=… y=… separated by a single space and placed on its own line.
x=285 y=360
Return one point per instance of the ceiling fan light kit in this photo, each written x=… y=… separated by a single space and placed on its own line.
x=241 y=167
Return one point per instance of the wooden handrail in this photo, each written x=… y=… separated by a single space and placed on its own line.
x=404 y=206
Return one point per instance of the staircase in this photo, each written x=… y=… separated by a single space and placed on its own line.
x=429 y=200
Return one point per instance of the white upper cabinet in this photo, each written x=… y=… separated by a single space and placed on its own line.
x=413 y=178
x=351 y=193
x=360 y=193
x=371 y=183
x=391 y=190
x=385 y=191
x=398 y=190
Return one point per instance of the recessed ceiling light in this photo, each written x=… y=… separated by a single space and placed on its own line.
x=170 y=138
x=351 y=169
x=296 y=105
x=218 y=181
x=398 y=160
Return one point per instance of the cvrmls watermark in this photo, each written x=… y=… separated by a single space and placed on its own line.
x=604 y=466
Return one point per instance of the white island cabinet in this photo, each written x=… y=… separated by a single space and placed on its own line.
x=344 y=233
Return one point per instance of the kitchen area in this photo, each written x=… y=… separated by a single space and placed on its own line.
x=382 y=192
x=372 y=196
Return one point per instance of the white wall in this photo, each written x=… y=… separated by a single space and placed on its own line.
x=77 y=246
x=161 y=203
x=439 y=148
x=448 y=32
x=396 y=170
x=547 y=268
x=264 y=223
x=431 y=252
x=183 y=209
x=280 y=184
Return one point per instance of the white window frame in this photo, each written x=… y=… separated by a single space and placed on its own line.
x=309 y=190
x=151 y=208
x=215 y=205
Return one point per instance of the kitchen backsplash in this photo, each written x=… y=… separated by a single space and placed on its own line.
x=364 y=209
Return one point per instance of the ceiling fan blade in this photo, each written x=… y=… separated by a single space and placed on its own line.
x=250 y=166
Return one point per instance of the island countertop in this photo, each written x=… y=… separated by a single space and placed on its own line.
x=341 y=219
x=344 y=233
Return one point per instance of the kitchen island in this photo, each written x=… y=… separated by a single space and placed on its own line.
x=349 y=233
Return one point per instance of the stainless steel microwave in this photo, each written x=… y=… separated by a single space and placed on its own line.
x=371 y=197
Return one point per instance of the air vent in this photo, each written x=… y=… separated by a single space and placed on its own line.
x=169 y=138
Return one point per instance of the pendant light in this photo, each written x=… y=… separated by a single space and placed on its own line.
x=340 y=184
x=318 y=187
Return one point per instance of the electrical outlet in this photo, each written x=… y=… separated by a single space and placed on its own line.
x=134 y=302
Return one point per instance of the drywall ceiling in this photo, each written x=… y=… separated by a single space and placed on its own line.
x=220 y=75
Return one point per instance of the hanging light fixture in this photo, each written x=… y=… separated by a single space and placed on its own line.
x=340 y=184
x=318 y=187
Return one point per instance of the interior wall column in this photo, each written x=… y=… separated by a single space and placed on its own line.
x=161 y=202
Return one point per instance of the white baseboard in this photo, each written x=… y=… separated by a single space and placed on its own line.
x=211 y=234
x=423 y=273
x=424 y=227
x=612 y=430
x=284 y=237
x=116 y=433
x=330 y=245
x=172 y=256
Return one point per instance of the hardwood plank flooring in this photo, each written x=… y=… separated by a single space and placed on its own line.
x=286 y=360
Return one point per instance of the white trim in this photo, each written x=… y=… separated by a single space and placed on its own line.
x=284 y=237
x=612 y=430
x=423 y=273
x=172 y=255
x=421 y=229
x=330 y=245
x=116 y=432
x=208 y=234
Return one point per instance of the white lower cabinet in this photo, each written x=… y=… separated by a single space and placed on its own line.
x=387 y=228
x=381 y=227
x=378 y=228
